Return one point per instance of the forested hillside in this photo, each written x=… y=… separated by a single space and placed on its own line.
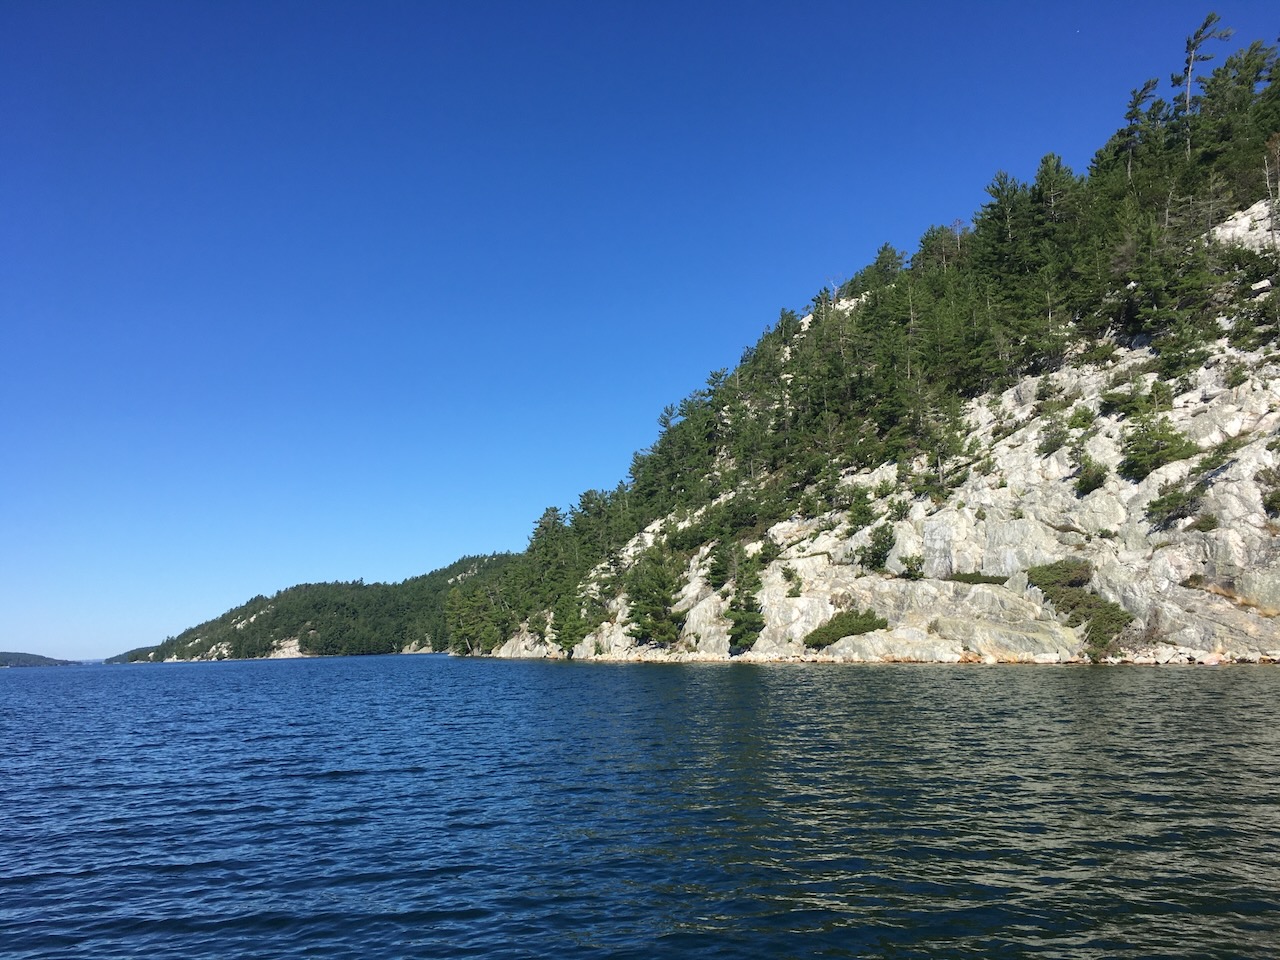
x=30 y=660
x=327 y=619
x=1059 y=273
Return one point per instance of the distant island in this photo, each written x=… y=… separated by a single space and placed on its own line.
x=31 y=660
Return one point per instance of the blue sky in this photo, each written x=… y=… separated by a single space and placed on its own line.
x=293 y=292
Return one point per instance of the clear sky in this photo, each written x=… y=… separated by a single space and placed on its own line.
x=293 y=292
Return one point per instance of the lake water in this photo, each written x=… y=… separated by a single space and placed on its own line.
x=436 y=807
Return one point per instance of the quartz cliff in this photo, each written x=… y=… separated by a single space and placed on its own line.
x=1122 y=505
x=1188 y=550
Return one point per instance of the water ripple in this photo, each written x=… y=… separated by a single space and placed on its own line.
x=433 y=807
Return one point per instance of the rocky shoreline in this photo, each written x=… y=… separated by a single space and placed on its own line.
x=1185 y=549
x=1202 y=586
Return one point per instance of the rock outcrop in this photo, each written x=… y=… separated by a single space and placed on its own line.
x=1202 y=584
x=1253 y=229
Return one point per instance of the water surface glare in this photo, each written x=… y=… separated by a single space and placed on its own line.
x=437 y=807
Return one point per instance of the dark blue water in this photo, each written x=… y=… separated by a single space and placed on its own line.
x=434 y=807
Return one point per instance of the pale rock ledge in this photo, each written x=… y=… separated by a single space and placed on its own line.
x=1198 y=597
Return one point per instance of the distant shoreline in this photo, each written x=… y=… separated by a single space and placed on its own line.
x=1157 y=658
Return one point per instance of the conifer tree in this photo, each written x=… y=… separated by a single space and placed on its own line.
x=744 y=612
x=1208 y=30
x=651 y=586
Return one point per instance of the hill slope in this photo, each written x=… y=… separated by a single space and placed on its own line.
x=30 y=660
x=1185 y=557
x=1068 y=405
x=318 y=619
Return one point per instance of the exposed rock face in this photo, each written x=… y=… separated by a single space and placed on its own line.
x=1202 y=583
x=529 y=645
x=1252 y=229
x=1199 y=592
x=289 y=648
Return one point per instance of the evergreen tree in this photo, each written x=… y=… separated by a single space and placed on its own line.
x=651 y=587
x=1209 y=30
x=745 y=615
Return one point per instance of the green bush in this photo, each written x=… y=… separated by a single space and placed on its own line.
x=769 y=551
x=1161 y=396
x=1219 y=455
x=976 y=578
x=927 y=484
x=1053 y=437
x=1081 y=418
x=652 y=584
x=1127 y=403
x=1175 y=503
x=688 y=538
x=1064 y=573
x=859 y=508
x=875 y=554
x=744 y=614
x=1205 y=523
x=1271 y=503
x=811 y=506
x=913 y=567
x=1100 y=353
x=1152 y=444
x=1090 y=473
x=1182 y=349
x=1064 y=585
x=790 y=575
x=848 y=623
x=1269 y=479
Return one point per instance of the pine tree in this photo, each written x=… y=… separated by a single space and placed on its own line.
x=1182 y=81
x=651 y=587
x=745 y=615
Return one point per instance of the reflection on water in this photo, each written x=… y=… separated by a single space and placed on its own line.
x=437 y=807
